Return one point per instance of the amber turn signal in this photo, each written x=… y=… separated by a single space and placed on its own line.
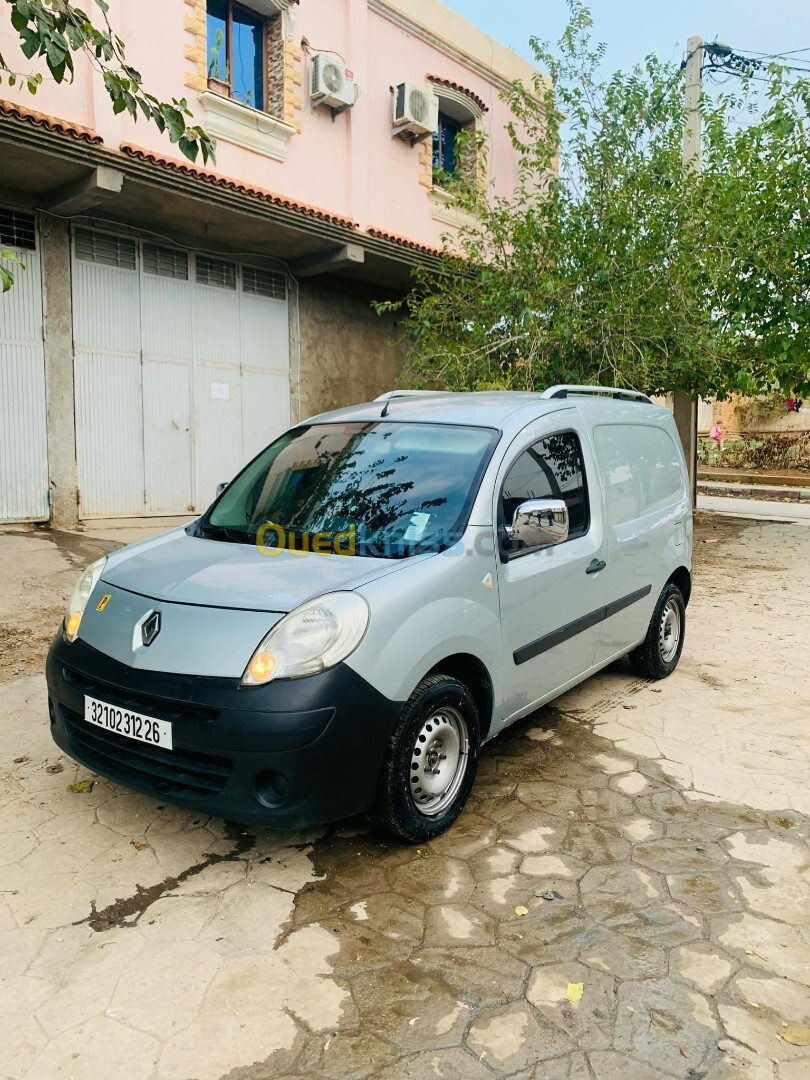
x=72 y=625
x=262 y=667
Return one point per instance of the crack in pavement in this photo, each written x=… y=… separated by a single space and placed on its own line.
x=120 y=912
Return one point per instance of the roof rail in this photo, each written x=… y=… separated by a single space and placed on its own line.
x=411 y=393
x=565 y=390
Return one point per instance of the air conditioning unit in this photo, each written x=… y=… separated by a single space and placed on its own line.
x=332 y=82
x=416 y=110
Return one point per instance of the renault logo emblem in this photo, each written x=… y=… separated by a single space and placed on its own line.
x=150 y=627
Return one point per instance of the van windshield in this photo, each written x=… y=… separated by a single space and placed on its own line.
x=375 y=489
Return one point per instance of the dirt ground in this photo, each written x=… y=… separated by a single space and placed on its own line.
x=626 y=897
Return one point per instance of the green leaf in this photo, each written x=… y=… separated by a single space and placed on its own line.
x=30 y=43
x=189 y=147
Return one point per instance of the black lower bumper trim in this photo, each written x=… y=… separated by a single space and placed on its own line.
x=290 y=754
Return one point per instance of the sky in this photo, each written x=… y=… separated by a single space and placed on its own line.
x=633 y=28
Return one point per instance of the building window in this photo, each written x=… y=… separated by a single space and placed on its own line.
x=218 y=273
x=445 y=149
x=237 y=52
x=17 y=229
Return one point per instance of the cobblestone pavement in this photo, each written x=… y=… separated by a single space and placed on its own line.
x=627 y=894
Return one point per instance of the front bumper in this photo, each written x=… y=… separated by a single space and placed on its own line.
x=294 y=753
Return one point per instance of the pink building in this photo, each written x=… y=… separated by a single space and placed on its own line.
x=171 y=320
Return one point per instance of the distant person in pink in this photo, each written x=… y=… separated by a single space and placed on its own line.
x=717 y=435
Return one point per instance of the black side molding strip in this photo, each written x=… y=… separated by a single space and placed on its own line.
x=578 y=626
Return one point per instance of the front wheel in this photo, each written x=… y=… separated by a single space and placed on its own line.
x=658 y=654
x=431 y=761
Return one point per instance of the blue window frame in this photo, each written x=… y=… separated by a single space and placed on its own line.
x=445 y=157
x=237 y=54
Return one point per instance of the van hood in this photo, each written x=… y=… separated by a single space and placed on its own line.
x=184 y=569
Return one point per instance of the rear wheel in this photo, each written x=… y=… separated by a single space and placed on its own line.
x=431 y=761
x=658 y=655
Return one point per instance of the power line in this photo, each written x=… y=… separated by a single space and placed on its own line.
x=774 y=56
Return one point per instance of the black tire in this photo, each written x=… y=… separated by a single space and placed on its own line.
x=654 y=657
x=395 y=810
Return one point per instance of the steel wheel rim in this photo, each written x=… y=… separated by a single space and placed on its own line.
x=669 y=632
x=439 y=760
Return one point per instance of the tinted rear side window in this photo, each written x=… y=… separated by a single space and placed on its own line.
x=641 y=470
x=550 y=469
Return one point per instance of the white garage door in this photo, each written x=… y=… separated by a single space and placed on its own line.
x=23 y=432
x=182 y=372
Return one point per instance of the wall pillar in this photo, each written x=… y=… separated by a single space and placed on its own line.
x=58 y=318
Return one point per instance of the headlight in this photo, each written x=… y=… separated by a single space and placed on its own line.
x=315 y=636
x=81 y=594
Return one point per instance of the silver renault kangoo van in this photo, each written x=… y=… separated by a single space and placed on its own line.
x=379 y=593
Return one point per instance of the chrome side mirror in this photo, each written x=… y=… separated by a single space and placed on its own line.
x=220 y=489
x=540 y=523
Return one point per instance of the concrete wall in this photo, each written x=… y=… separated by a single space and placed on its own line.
x=347 y=353
x=755 y=423
x=58 y=320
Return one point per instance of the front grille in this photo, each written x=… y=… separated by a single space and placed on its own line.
x=167 y=709
x=181 y=773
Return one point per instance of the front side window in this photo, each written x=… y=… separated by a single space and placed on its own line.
x=236 y=52
x=550 y=469
x=387 y=489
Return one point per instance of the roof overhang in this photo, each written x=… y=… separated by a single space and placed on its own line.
x=60 y=171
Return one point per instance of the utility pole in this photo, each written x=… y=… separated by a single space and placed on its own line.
x=684 y=405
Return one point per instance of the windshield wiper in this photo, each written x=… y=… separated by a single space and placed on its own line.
x=221 y=532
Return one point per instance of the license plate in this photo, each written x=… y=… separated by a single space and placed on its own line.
x=133 y=725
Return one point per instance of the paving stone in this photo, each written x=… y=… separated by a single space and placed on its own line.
x=758 y=1031
x=458 y=924
x=350 y=1057
x=569 y=1067
x=411 y=1008
x=553 y=799
x=702 y=964
x=601 y=805
x=788 y=1000
x=709 y=892
x=665 y=925
x=765 y=943
x=433 y=880
x=661 y=1020
x=603 y=887
x=624 y=956
x=638 y=829
x=496 y=862
x=512 y=1037
x=85 y=1053
x=559 y=870
x=611 y=1065
x=766 y=849
x=161 y=992
x=399 y=918
x=20 y=1044
x=779 y=894
x=589 y=1021
x=595 y=845
x=453 y=1064
x=488 y=974
x=532 y=833
x=470 y=834
x=679 y=856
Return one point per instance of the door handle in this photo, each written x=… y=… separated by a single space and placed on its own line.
x=595 y=566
